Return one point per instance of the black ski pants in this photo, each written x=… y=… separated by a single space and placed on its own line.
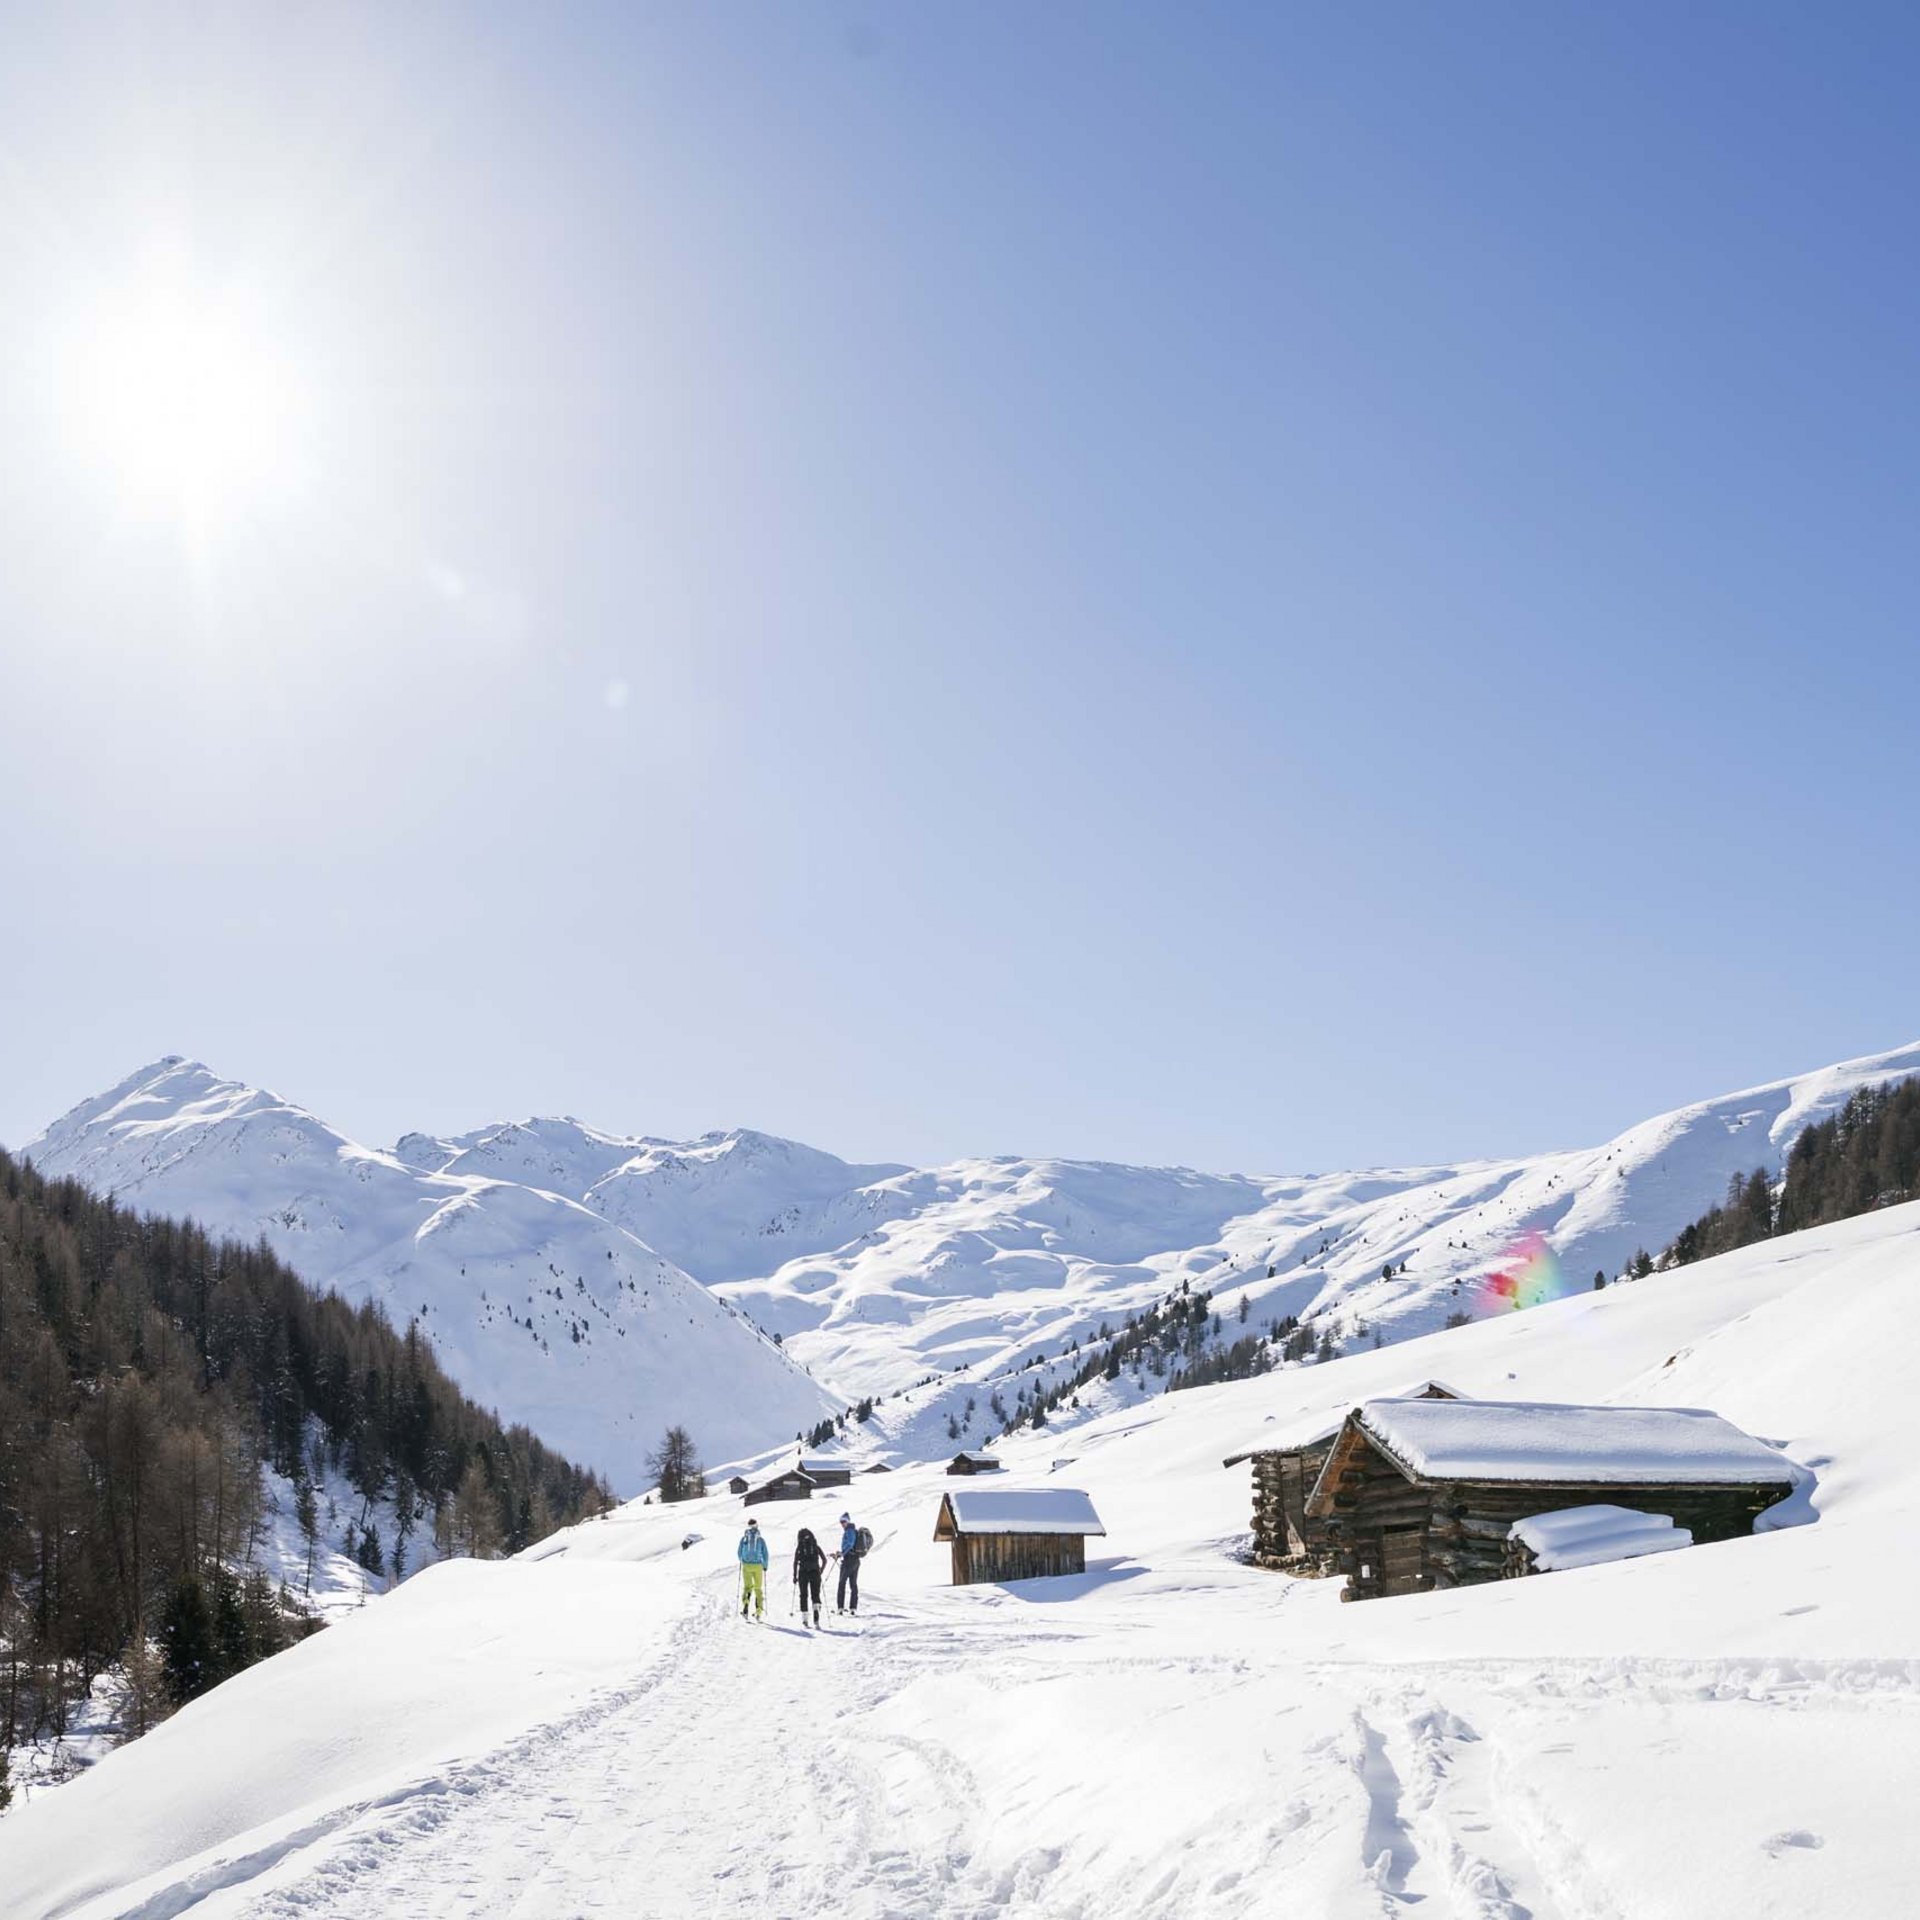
x=809 y=1584
x=848 y=1594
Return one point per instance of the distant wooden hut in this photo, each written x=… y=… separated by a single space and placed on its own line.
x=738 y=1484
x=1016 y=1533
x=974 y=1462
x=1286 y=1463
x=1418 y=1494
x=879 y=1466
x=791 y=1485
x=827 y=1473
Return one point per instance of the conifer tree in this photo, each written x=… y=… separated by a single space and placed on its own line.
x=187 y=1640
x=675 y=1465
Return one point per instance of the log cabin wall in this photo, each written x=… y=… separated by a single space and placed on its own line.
x=1283 y=1536
x=1016 y=1556
x=1373 y=1499
x=1467 y=1542
x=1464 y=1525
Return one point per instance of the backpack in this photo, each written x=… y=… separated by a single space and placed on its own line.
x=865 y=1537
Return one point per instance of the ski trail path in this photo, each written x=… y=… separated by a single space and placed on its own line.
x=966 y=1753
x=735 y=1774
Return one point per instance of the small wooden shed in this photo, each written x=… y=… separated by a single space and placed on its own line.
x=1286 y=1463
x=1418 y=1494
x=828 y=1473
x=791 y=1485
x=1016 y=1533
x=974 y=1462
x=738 y=1484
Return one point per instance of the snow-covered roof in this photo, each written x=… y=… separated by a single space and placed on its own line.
x=979 y=1457
x=1323 y=1422
x=1021 y=1510
x=816 y=1467
x=1589 y=1536
x=1537 y=1440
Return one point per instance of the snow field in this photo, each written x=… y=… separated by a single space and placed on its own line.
x=1729 y=1731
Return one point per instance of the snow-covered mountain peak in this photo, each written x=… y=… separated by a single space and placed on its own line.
x=538 y=1305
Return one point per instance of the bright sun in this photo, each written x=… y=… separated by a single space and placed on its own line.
x=185 y=399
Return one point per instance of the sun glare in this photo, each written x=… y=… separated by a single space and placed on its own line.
x=184 y=399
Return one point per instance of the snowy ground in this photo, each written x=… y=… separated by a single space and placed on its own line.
x=1730 y=1730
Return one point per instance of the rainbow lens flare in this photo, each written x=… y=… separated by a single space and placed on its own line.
x=1528 y=1275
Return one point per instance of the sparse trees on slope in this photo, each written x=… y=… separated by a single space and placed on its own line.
x=1865 y=1156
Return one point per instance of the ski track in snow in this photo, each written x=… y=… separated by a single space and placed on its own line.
x=755 y=1767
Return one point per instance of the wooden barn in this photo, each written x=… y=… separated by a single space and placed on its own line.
x=1016 y=1533
x=1286 y=1463
x=738 y=1484
x=791 y=1485
x=828 y=1473
x=1418 y=1494
x=976 y=1462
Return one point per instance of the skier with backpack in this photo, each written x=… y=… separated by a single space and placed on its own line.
x=855 y=1544
x=753 y=1557
x=809 y=1563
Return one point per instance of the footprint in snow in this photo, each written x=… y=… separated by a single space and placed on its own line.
x=1798 y=1837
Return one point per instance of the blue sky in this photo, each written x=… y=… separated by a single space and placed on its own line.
x=1258 y=586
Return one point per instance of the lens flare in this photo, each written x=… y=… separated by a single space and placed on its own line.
x=1527 y=1276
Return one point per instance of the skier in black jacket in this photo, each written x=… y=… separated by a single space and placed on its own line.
x=809 y=1563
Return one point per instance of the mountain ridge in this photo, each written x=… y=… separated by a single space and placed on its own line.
x=921 y=1288
x=539 y=1307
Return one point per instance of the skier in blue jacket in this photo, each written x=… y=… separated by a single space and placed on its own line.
x=753 y=1571
x=847 y=1594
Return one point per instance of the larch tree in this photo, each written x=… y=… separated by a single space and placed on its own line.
x=675 y=1466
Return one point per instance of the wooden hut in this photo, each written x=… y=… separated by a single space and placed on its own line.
x=1016 y=1533
x=738 y=1484
x=974 y=1462
x=791 y=1485
x=827 y=1473
x=1286 y=1463
x=1417 y=1494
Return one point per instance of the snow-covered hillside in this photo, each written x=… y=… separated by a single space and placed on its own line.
x=538 y=1306
x=984 y=1261
x=874 y=1276
x=1722 y=1733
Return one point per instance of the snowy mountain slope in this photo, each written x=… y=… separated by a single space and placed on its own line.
x=995 y=1258
x=536 y=1305
x=1718 y=1732
x=877 y=1277
x=732 y=1204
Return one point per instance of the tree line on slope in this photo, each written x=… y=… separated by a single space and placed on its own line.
x=1180 y=1341
x=1865 y=1156
x=149 y=1375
